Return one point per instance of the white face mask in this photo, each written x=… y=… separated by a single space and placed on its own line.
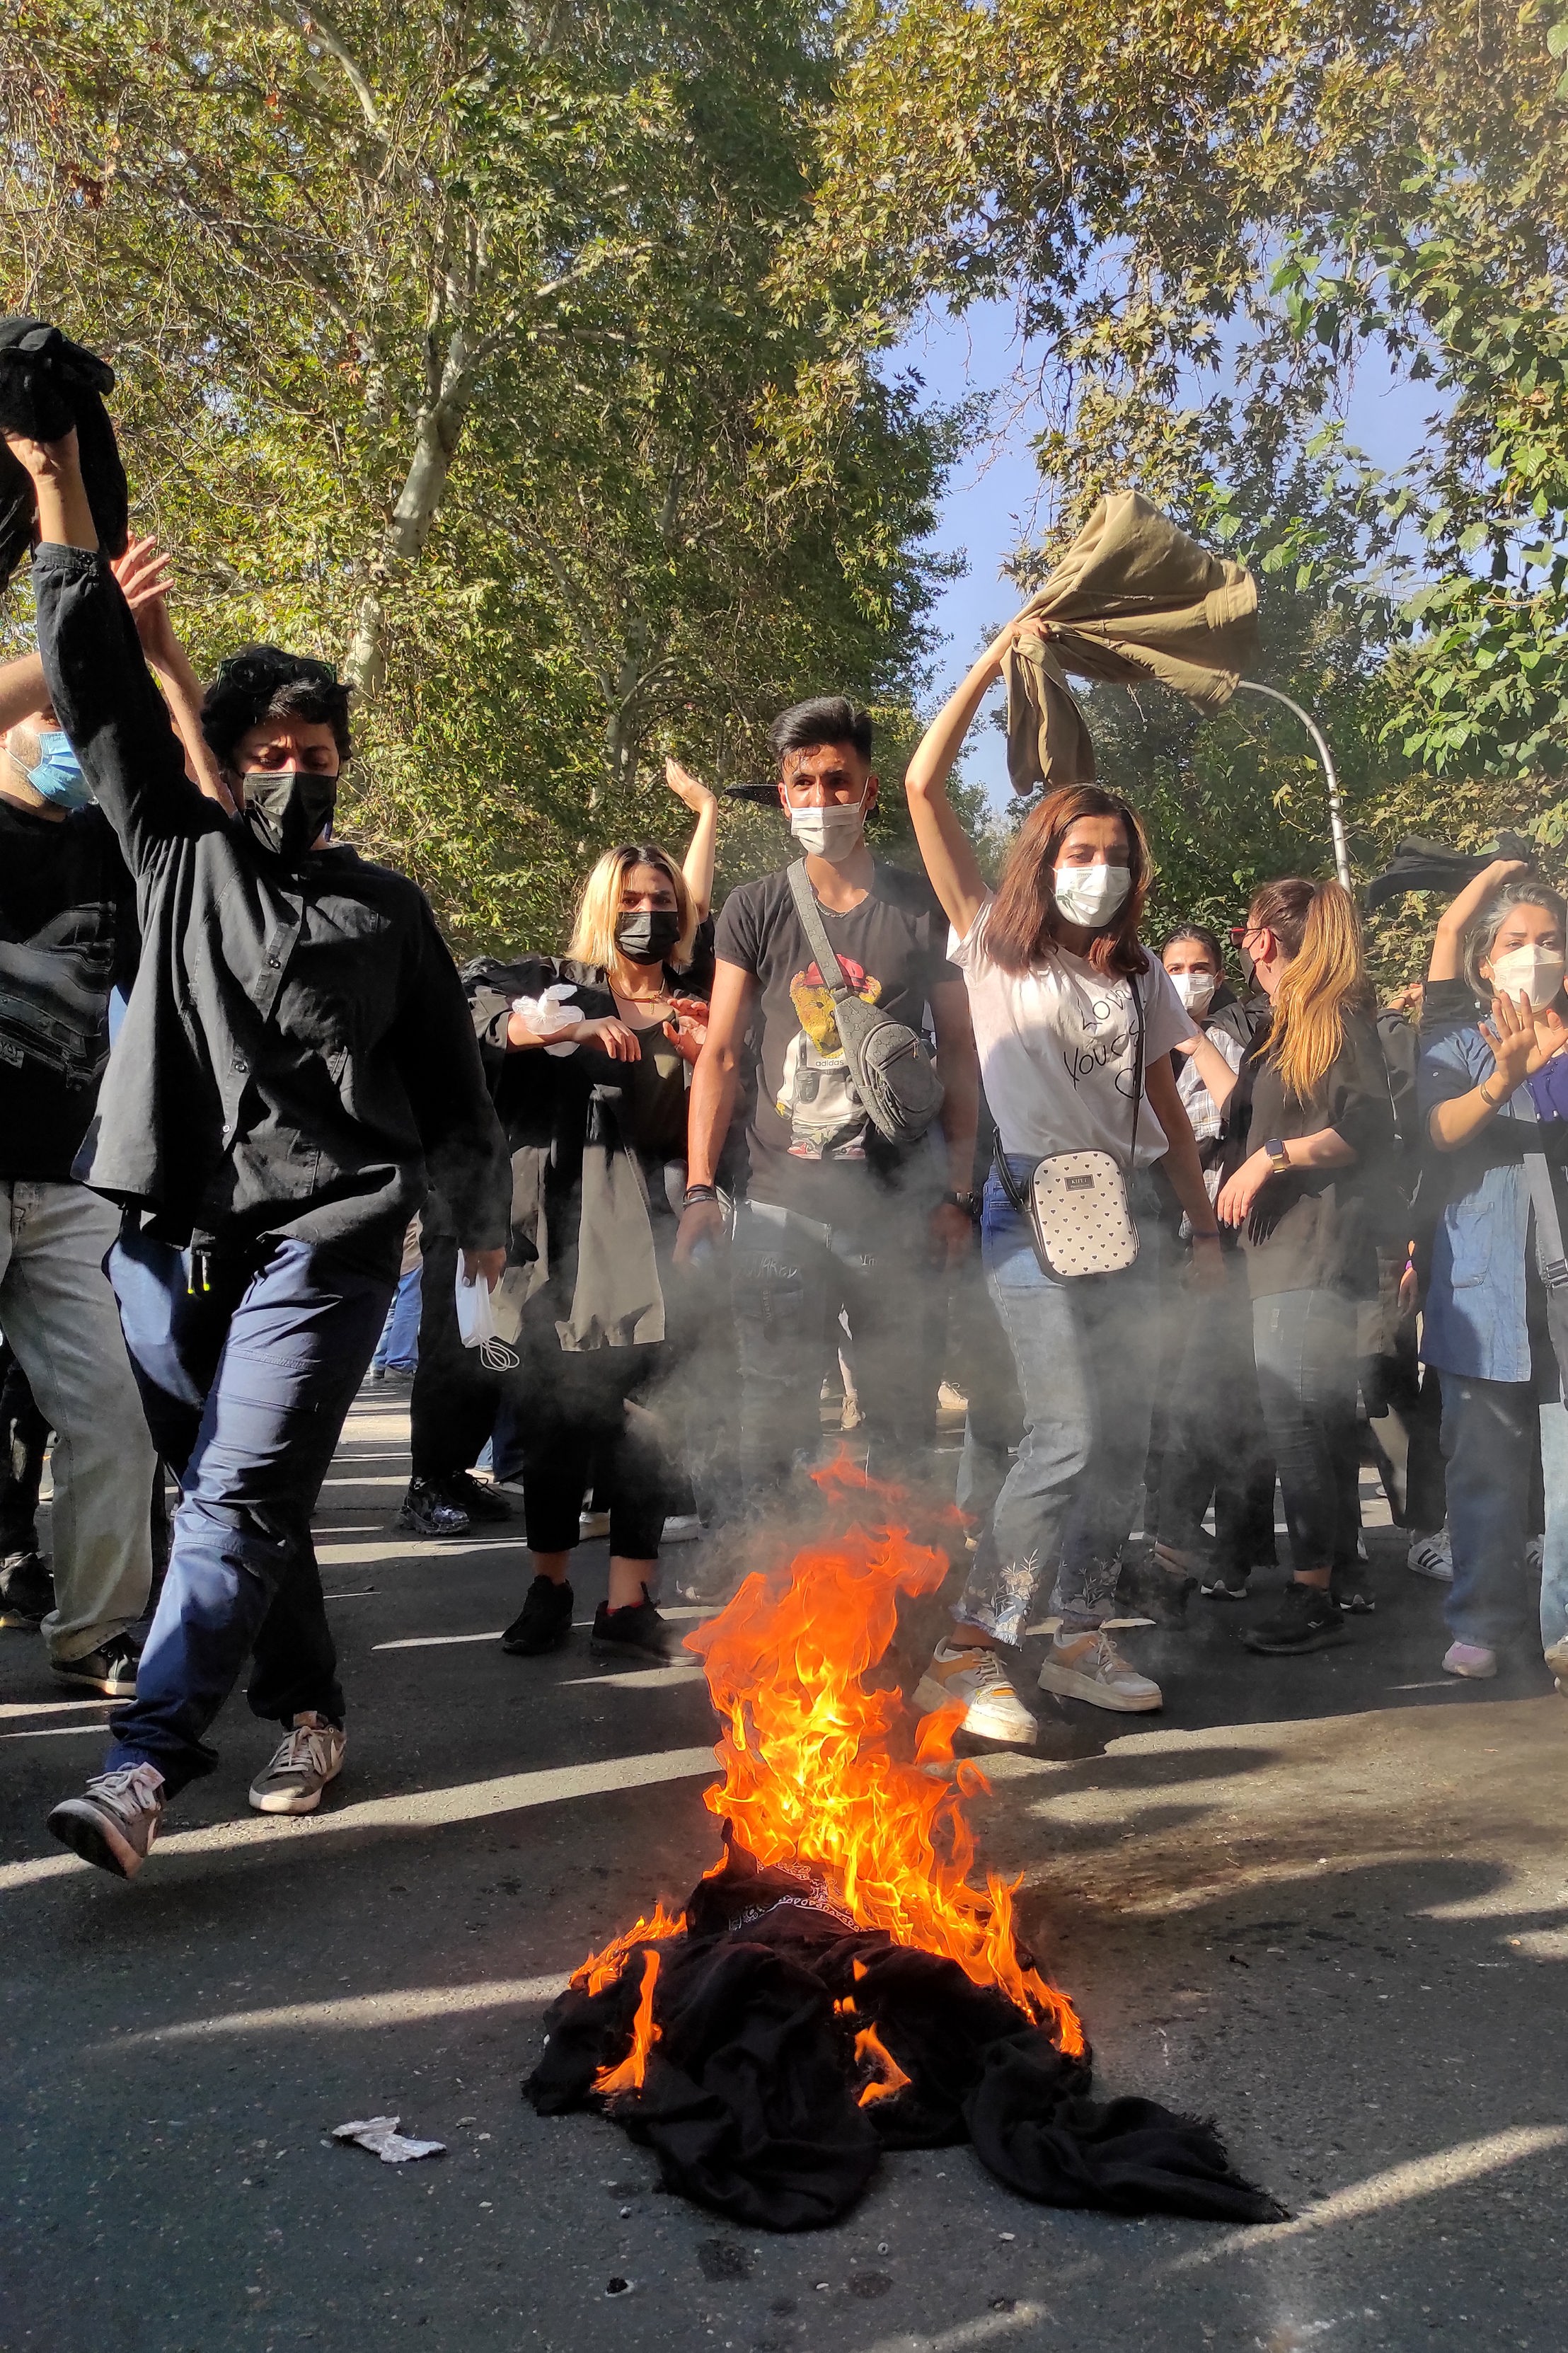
x=1535 y=973
x=1091 y=895
x=1195 y=989
x=833 y=832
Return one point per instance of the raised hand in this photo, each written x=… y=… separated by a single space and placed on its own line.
x=1511 y=1034
x=142 y=573
x=688 y=788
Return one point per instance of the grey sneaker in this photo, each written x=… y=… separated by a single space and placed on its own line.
x=977 y=1679
x=115 y=1820
x=1088 y=1666
x=310 y=1757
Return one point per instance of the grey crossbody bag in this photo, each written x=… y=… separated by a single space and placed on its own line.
x=894 y=1076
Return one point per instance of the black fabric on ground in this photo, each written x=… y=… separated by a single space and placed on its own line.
x=752 y=2092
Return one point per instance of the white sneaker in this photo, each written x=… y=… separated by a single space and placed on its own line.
x=1557 y=1663
x=310 y=1757
x=115 y=1820
x=1535 y=1555
x=1088 y=1666
x=684 y=1528
x=1430 y=1557
x=1474 y=1660
x=992 y=1708
x=591 y=1525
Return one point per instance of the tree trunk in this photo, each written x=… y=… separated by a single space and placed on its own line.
x=436 y=438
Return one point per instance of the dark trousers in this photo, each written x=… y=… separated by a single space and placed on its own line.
x=246 y=1386
x=452 y=1405
x=24 y=1442
x=790 y=1279
x=564 y=1423
x=1215 y=1442
x=1305 y=1344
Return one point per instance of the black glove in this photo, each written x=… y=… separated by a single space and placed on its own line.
x=48 y=383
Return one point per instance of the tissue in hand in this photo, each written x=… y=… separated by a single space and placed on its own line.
x=548 y=1015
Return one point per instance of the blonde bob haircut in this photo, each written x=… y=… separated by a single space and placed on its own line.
x=594 y=932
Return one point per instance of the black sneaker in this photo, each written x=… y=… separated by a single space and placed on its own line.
x=635 y=1631
x=1226 y=1585
x=470 y=1495
x=543 y=1623
x=111 y=1668
x=26 y=1591
x=1146 y=1589
x=428 y=1512
x=1308 y=1619
x=1349 y=1588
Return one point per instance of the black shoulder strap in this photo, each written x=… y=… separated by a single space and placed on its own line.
x=1137 y=1071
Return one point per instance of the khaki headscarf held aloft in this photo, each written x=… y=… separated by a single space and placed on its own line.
x=1132 y=599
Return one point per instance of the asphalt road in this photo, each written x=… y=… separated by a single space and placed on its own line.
x=1324 y=1900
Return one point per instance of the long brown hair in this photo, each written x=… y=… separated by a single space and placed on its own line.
x=1325 y=979
x=1025 y=918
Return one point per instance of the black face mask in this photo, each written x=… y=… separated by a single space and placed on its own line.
x=286 y=809
x=647 y=937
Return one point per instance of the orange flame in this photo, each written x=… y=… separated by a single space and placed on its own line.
x=629 y=2076
x=601 y=1969
x=870 y=2047
x=809 y=1773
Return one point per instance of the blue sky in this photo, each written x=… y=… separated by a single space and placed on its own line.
x=990 y=500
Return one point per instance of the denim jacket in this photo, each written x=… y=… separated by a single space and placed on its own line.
x=1476 y=1319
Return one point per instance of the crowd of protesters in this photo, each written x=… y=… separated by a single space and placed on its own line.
x=1183 y=1226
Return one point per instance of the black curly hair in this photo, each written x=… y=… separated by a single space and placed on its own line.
x=264 y=683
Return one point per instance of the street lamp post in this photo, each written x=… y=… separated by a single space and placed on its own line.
x=1336 y=812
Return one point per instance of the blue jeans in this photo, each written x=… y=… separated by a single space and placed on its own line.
x=1304 y=1343
x=398 y=1346
x=1491 y=1430
x=1085 y=1357
x=245 y=1386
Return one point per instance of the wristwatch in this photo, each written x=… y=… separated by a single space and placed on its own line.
x=1278 y=1160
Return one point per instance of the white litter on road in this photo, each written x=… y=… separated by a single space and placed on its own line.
x=381 y=2136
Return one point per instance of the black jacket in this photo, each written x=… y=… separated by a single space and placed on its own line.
x=297 y=1046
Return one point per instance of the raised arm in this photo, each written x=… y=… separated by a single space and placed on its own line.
x=142 y=575
x=945 y=847
x=22 y=690
x=1448 y=941
x=698 y=864
x=94 y=669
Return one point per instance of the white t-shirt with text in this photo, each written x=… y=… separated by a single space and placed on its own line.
x=1057 y=1049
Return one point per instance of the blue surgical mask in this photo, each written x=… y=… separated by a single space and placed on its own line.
x=58 y=775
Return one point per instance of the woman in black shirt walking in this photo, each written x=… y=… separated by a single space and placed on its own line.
x=1311 y=1122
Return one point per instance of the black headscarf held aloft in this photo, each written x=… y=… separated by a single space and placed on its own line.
x=48 y=383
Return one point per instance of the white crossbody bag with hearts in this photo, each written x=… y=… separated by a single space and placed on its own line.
x=1076 y=1204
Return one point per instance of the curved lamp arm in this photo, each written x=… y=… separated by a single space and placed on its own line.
x=1336 y=813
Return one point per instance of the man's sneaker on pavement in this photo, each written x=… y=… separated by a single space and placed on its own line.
x=1226 y=1584
x=635 y=1631
x=481 y=1502
x=544 y=1622
x=978 y=1680
x=1088 y=1666
x=1474 y=1660
x=1429 y=1557
x=115 y=1820
x=1556 y=1656
x=1149 y=1588
x=311 y=1756
x=682 y=1527
x=111 y=1668
x=427 y=1511
x=26 y=1591
x=1307 y=1620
